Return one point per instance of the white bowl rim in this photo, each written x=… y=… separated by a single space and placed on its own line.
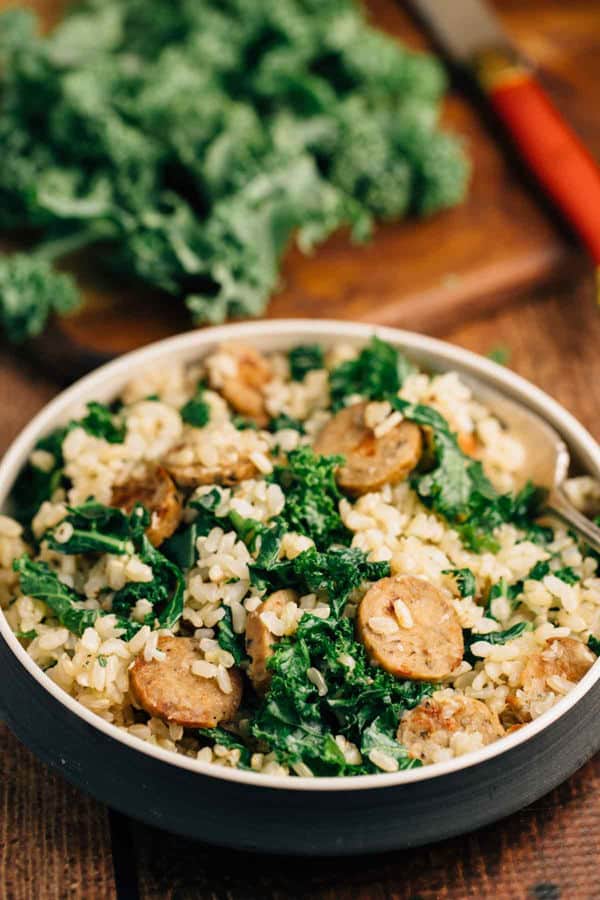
x=292 y=330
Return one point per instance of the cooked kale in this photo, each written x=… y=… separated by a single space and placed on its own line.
x=456 y=487
x=566 y=574
x=212 y=736
x=101 y=422
x=311 y=496
x=229 y=640
x=164 y=592
x=377 y=372
x=180 y=548
x=465 y=581
x=513 y=591
x=278 y=423
x=337 y=572
x=493 y=637
x=195 y=140
x=242 y=423
x=38 y=581
x=196 y=411
x=594 y=644
x=95 y=528
x=98 y=528
x=304 y=358
x=362 y=703
x=34 y=485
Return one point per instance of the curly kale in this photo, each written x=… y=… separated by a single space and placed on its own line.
x=361 y=703
x=95 y=528
x=456 y=487
x=377 y=372
x=311 y=496
x=195 y=141
x=35 y=484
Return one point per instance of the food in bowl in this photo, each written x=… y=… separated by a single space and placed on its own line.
x=303 y=563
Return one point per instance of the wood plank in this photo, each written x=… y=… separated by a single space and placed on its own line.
x=54 y=840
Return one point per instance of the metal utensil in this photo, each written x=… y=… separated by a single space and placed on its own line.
x=471 y=34
x=547 y=459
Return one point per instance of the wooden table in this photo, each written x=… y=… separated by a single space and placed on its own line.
x=56 y=843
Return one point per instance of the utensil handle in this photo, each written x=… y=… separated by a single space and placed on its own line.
x=553 y=151
x=563 y=509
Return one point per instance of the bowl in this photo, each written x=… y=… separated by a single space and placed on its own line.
x=312 y=816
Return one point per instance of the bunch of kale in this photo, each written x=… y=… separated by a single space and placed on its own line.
x=191 y=139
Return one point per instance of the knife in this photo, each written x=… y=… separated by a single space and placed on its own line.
x=469 y=31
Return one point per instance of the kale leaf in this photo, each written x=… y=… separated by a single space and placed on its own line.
x=196 y=411
x=30 y=291
x=180 y=548
x=376 y=373
x=282 y=421
x=37 y=580
x=336 y=572
x=98 y=528
x=100 y=422
x=361 y=703
x=165 y=591
x=102 y=529
x=512 y=592
x=212 y=736
x=195 y=141
x=34 y=485
x=465 y=581
x=493 y=637
x=594 y=644
x=305 y=358
x=311 y=496
x=456 y=487
x=229 y=640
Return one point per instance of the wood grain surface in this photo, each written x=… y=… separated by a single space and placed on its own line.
x=428 y=275
x=55 y=843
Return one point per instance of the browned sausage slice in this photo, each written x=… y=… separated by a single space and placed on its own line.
x=157 y=492
x=243 y=391
x=193 y=473
x=260 y=640
x=370 y=462
x=436 y=720
x=565 y=657
x=410 y=629
x=168 y=689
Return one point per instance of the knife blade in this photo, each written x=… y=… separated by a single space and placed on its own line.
x=463 y=27
x=471 y=34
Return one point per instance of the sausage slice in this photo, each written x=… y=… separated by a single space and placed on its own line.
x=410 y=629
x=190 y=472
x=260 y=641
x=157 y=492
x=168 y=689
x=436 y=720
x=243 y=391
x=370 y=462
x=565 y=657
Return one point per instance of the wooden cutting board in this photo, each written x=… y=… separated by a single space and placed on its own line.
x=429 y=275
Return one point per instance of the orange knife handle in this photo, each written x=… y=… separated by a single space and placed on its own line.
x=554 y=153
